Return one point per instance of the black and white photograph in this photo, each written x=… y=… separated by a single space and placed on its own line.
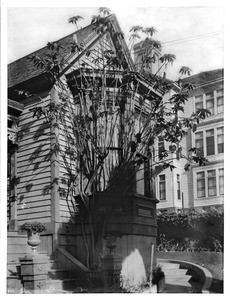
x=112 y=147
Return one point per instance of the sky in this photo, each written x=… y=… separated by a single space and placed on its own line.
x=194 y=34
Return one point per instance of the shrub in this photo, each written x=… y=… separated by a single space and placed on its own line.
x=191 y=231
x=34 y=227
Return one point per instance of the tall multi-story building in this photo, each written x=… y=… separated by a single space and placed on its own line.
x=203 y=186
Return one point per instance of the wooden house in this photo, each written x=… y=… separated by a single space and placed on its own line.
x=36 y=171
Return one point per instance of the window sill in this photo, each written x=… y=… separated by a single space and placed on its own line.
x=209 y=197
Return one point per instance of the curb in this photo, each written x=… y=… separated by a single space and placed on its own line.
x=205 y=274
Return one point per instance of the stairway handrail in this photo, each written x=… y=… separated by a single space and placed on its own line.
x=73 y=259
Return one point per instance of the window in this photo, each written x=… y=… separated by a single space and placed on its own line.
x=210 y=102
x=162 y=187
x=199 y=142
x=178 y=187
x=220 y=139
x=213 y=101
x=199 y=102
x=210 y=142
x=212 y=183
x=210 y=145
x=220 y=101
x=221 y=181
x=161 y=146
x=200 y=185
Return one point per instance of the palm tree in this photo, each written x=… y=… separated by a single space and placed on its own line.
x=150 y=30
x=104 y=10
x=75 y=19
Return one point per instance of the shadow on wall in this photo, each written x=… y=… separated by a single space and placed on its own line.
x=133 y=269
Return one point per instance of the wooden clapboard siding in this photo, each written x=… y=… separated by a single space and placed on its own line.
x=30 y=176
x=42 y=164
x=64 y=133
x=34 y=209
x=63 y=200
x=27 y=119
x=37 y=147
x=63 y=205
x=38 y=185
x=35 y=201
x=43 y=217
x=36 y=136
x=64 y=219
x=33 y=166
x=42 y=182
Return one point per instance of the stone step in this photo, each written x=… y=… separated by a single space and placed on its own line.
x=52 y=264
x=13 y=233
x=177 y=278
x=167 y=266
x=14 y=257
x=16 y=240
x=13 y=269
x=178 y=289
x=14 y=285
x=177 y=281
x=17 y=248
x=66 y=284
x=177 y=272
x=14 y=264
x=58 y=273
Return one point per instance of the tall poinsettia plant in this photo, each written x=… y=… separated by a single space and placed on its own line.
x=111 y=117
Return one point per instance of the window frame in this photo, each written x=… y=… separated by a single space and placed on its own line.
x=210 y=142
x=203 y=100
x=159 y=186
x=221 y=185
x=212 y=187
x=203 y=180
x=217 y=98
x=161 y=145
x=178 y=179
x=203 y=140
x=220 y=135
x=212 y=100
x=219 y=172
x=200 y=139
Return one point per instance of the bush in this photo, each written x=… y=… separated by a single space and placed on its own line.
x=34 y=227
x=191 y=231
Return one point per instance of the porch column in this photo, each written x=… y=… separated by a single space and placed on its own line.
x=12 y=177
x=55 y=161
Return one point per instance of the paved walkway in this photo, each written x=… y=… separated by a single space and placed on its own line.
x=178 y=279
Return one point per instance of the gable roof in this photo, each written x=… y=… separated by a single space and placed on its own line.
x=24 y=68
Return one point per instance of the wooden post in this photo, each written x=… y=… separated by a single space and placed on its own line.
x=13 y=224
x=151 y=267
x=55 y=161
x=54 y=164
x=182 y=196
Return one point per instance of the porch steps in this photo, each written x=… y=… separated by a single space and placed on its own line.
x=177 y=280
x=64 y=285
x=58 y=279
